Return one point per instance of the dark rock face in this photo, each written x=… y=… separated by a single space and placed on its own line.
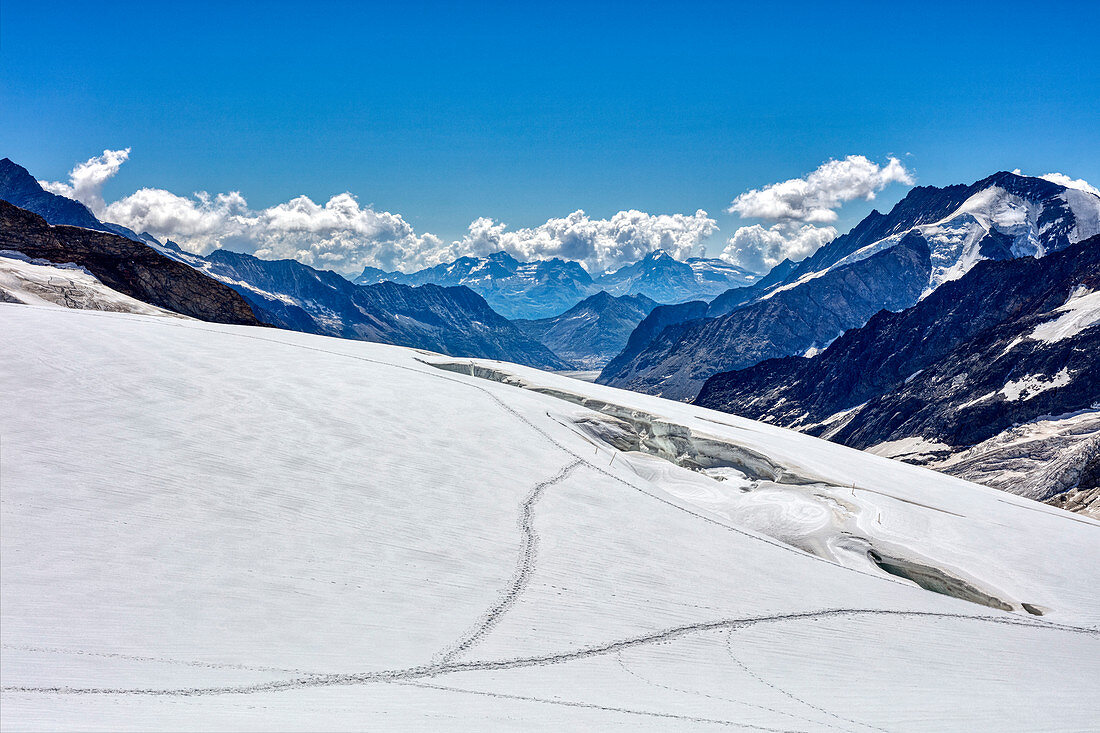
x=959 y=368
x=660 y=318
x=17 y=186
x=451 y=320
x=735 y=297
x=682 y=357
x=591 y=332
x=129 y=267
x=851 y=278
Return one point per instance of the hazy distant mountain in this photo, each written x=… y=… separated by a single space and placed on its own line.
x=888 y=261
x=514 y=289
x=283 y=293
x=994 y=377
x=591 y=332
x=667 y=280
x=450 y=320
x=545 y=288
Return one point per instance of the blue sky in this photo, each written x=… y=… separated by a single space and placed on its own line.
x=443 y=113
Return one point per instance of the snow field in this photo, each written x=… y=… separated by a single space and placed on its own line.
x=217 y=526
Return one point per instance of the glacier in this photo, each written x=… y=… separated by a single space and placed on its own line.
x=232 y=527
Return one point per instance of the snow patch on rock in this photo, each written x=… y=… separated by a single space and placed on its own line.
x=1081 y=311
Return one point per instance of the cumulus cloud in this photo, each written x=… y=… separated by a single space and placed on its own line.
x=345 y=236
x=1079 y=183
x=86 y=179
x=598 y=244
x=793 y=208
x=814 y=198
x=760 y=249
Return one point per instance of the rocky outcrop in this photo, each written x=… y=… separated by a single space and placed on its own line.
x=660 y=318
x=18 y=186
x=130 y=267
x=994 y=377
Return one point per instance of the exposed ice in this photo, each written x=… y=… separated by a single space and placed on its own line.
x=39 y=282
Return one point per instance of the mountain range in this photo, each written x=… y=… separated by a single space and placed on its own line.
x=880 y=340
x=993 y=377
x=547 y=288
x=450 y=320
x=128 y=267
x=238 y=288
x=888 y=261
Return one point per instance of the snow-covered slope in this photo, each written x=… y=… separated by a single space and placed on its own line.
x=230 y=527
x=1023 y=217
x=890 y=261
x=40 y=282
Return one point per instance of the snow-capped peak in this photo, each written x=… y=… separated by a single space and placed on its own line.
x=1006 y=215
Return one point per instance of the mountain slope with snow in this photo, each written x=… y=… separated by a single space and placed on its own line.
x=972 y=379
x=229 y=527
x=844 y=283
x=123 y=265
x=682 y=357
x=40 y=282
x=546 y=288
x=451 y=320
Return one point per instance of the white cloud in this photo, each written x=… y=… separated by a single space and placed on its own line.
x=344 y=236
x=794 y=206
x=598 y=244
x=338 y=235
x=86 y=179
x=1079 y=183
x=760 y=249
x=814 y=198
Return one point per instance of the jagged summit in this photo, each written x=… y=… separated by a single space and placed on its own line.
x=932 y=236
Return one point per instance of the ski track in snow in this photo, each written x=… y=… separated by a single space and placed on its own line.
x=681 y=691
x=413 y=673
x=594 y=706
x=780 y=690
x=157 y=660
x=520 y=579
x=526 y=566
